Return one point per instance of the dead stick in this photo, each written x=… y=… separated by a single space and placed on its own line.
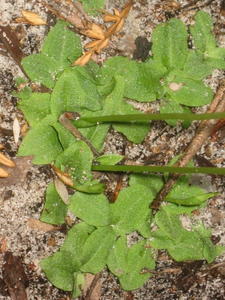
x=204 y=131
x=76 y=133
x=92 y=286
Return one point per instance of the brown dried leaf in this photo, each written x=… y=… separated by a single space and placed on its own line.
x=119 y=26
x=63 y=176
x=21 y=21
x=92 y=44
x=111 y=18
x=3 y=173
x=41 y=226
x=81 y=61
x=14 y=277
x=6 y=161
x=126 y=9
x=111 y=30
x=32 y=18
x=95 y=31
x=102 y=45
x=116 y=12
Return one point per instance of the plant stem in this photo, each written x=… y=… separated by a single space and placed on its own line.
x=143 y=118
x=159 y=169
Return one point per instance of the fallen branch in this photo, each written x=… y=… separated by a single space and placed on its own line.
x=203 y=132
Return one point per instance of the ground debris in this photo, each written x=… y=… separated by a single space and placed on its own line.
x=41 y=226
x=18 y=173
x=188 y=276
x=14 y=277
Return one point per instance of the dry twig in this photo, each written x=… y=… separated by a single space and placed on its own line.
x=203 y=132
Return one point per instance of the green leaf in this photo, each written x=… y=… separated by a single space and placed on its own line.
x=170 y=44
x=153 y=182
x=92 y=187
x=205 y=42
x=172 y=107
x=134 y=132
x=61 y=266
x=35 y=108
x=141 y=79
x=76 y=160
x=187 y=195
x=93 y=209
x=41 y=69
x=79 y=282
x=61 y=44
x=115 y=104
x=96 y=134
x=96 y=249
x=65 y=136
x=196 y=67
x=202 y=32
x=131 y=208
x=144 y=229
x=93 y=7
x=127 y=263
x=187 y=91
x=41 y=142
x=109 y=159
x=180 y=209
x=54 y=211
x=182 y=244
x=25 y=93
x=74 y=91
x=117 y=259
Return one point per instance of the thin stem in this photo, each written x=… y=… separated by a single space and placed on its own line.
x=159 y=169
x=143 y=118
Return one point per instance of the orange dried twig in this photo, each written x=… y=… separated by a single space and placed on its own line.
x=103 y=35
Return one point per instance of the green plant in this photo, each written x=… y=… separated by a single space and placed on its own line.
x=174 y=73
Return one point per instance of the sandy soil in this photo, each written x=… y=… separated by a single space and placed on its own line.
x=22 y=194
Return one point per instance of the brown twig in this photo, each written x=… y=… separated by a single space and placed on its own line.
x=203 y=132
x=92 y=286
x=65 y=121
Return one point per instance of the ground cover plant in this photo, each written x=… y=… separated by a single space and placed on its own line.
x=174 y=72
